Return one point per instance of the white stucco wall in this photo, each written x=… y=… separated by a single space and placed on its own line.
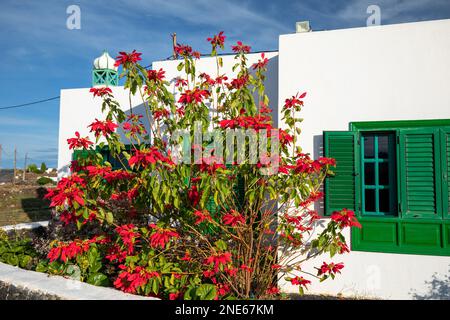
x=394 y=72
x=78 y=109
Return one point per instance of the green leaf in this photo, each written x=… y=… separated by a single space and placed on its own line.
x=155 y=286
x=73 y=271
x=85 y=213
x=98 y=279
x=25 y=261
x=12 y=259
x=94 y=260
x=332 y=251
x=221 y=245
x=206 y=292
x=42 y=266
x=216 y=197
x=109 y=217
x=189 y=294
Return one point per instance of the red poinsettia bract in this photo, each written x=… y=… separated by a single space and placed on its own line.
x=218 y=260
x=330 y=268
x=193 y=96
x=78 y=142
x=294 y=102
x=345 y=218
x=131 y=279
x=67 y=251
x=161 y=236
x=129 y=236
x=262 y=63
x=186 y=51
x=240 y=48
x=100 y=92
x=67 y=192
x=202 y=216
x=300 y=281
x=217 y=40
x=156 y=75
x=148 y=156
x=104 y=128
x=233 y=218
x=123 y=58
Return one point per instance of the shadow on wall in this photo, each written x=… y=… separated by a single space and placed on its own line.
x=64 y=171
x=438 y=288
x=137 y=110
x=271 y=86
x=318 y=152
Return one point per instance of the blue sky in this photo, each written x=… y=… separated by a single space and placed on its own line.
x=40 y=55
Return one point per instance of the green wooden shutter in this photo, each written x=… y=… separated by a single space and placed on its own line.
x=445 y=161
x=420 y=180
x=340 y=190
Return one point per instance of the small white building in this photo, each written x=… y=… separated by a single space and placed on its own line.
x=382 y=96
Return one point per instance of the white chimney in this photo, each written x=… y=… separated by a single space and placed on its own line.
x=302 y=26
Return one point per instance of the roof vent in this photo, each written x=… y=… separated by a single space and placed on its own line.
x=302 y=26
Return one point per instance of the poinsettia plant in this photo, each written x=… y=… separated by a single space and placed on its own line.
x=190 y=218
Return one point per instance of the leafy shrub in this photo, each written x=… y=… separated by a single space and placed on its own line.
x=18 y=252
x=43 y=167
x=44 y=180
x=33 y=168
x=195 y=230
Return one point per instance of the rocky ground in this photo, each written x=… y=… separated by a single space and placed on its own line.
x=12 y=292
x=23 y=201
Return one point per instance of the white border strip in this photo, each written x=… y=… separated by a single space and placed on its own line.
x=25 y=226
x=61 y=287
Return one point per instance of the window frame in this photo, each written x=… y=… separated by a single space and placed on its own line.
x=402 y=226
x=391 y=160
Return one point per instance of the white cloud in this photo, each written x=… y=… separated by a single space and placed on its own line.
x=21 y=121
x=120 y=25
x=356 y=9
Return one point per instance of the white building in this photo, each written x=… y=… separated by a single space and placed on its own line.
x=387 y=89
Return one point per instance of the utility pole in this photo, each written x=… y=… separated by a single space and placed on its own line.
x=15 y=164
x=25 y=166
x=0 y=158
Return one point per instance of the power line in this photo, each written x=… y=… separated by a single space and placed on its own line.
x=29 y=103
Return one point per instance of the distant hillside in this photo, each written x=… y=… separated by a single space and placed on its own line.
x=6 y=175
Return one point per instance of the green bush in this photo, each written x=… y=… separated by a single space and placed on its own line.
x=43 y=167
x=44 y=180
x=33 y=168
x=17 y=252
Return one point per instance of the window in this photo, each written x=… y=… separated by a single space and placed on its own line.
x=378 y=174
x=394 y=175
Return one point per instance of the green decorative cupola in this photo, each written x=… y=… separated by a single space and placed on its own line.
x=104 y=72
